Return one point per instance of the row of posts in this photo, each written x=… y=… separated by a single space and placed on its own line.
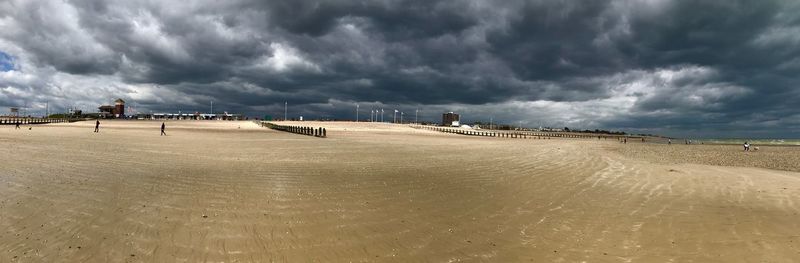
x=12 y=121
x=310 y=131
x=519 y=135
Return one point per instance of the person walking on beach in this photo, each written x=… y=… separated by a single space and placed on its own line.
x=97 y=126
x=669 y=141
x=17 y=125
x=162 y=129
x=746 y=146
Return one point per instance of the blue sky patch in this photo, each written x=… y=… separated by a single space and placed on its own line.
x=6 y=62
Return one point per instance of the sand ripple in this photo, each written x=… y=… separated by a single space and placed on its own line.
x=233 y=193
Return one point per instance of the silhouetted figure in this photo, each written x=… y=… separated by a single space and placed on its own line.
x=97 y=126
x=162 y=129
x=17 y=126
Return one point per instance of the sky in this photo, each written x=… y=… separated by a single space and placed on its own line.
x=693 y=68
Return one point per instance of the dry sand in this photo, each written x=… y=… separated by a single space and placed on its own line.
x=235 y=192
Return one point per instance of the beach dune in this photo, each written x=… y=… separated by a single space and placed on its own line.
x=236 y=192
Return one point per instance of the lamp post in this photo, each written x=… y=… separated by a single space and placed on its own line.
x=381 y=115
x=394 y=117
x=285 y=107
x=356 y=112
x=401 y=117
x=416 y=112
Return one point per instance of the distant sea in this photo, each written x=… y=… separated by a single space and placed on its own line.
x=787 y=142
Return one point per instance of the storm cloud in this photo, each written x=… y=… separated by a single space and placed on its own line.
x=676 y=67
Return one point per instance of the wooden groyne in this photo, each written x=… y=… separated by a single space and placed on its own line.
x=492 y=133
x=26 y=121
x=509 y=134
x=303 y=130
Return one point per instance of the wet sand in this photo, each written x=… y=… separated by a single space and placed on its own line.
x=235 y=192
x=770 y=157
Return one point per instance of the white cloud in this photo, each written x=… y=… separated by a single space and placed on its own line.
x=284 y=58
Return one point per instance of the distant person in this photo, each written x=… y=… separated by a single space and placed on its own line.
x=17 y=126
x=746 y=146
x=625 y=141
x=163 y=126
x=97 y=126
x=669 y=141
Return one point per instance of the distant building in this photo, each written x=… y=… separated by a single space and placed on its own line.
x=116 y=111
x=106 y=111
x=75 y=112
x=188 y=116
x=119 y=108
x=451 y=119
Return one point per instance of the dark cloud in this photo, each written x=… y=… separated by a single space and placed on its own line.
x=676 y=66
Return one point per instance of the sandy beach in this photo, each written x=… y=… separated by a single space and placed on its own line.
x=219 y=191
